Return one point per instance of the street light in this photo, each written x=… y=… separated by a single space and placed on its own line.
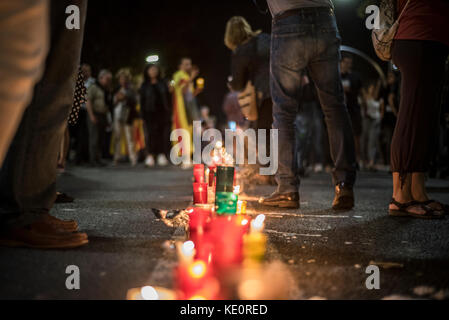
x=152 y=58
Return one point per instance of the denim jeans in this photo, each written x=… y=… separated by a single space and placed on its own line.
x=28 y=175
x=309 y=135
x=309 y=39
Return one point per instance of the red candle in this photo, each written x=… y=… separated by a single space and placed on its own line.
x=212 y=175
x=198 y=217
x=199 y=193
x=228 y=239
x=198 y=173
x=194 y=281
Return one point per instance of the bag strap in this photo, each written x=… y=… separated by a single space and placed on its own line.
x=403 y=10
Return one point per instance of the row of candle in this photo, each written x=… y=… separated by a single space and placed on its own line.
x=217 y=244
x=222 y=189
x=221 y=237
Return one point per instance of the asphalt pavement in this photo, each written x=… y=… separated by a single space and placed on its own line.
x=326 y=253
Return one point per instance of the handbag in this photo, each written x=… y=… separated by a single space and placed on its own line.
x=382 y=38
x=248 y=102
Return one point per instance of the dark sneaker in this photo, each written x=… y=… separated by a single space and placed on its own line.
x=64 y=225
x=281 y=200
x=42 y=235
x=344 y=197
x=63 y=198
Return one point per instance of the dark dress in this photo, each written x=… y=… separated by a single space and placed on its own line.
x=155 y=109
x=420 y=50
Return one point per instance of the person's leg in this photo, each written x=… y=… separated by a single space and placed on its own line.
x=29 y=172
x=117 y=130
x=23 y=48
x=325 y=72
x=288 y=60
x=28 y=177
x=421 y=64
x=93 y=141
x=130 y=142
x=372 y=131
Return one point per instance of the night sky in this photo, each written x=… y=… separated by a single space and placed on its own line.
x=122 y=33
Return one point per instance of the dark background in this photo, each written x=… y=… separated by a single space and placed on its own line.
x=123 y=33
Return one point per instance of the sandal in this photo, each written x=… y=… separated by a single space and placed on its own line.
x=444 y=207
x=403 y=210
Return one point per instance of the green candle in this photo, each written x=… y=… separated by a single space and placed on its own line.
x=225 y=203
x=225 y=179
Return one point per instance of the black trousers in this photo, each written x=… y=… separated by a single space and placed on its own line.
x=28 y=176
x=416 y=133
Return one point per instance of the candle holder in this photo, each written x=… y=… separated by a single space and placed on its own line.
x=195 y=282
x=199 y=193
x=225 y=179
x=241 y=207
x=225 y=203
x=211 y=179
x=227 y=234
x=198 y=173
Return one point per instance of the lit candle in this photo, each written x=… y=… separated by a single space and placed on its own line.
x=225 y=203
x=200 y=83
x=254 y=243
x=199 y=193
x=198 y=173
x=227 y=237
x=212 y=170
x=241 y=207
x=195 y=281
x=225 y=179
x=198 y=217
x=186 y=252
x=257 y=224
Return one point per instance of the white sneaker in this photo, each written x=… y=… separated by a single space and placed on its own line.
x=162 y=160
x=149 y=161
x=318 y=168
x=186 y=166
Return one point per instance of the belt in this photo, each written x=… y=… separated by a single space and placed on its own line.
x=304 y=11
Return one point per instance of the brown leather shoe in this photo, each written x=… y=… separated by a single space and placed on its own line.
x=62 y=197
x=64 y=225
x=344 y=197
x=281 y=200
x=42 y=235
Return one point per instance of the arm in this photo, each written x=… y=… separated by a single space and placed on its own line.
x=240 y=74
x=382 y=108
x=90 y=98
x=391 y=98
x=90 y=112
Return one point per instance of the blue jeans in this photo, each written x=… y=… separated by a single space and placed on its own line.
x=309 y=39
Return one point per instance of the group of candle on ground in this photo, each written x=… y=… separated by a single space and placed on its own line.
x=215 y=262
x=223 y=239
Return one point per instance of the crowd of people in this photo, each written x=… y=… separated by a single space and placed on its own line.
x=128 y=118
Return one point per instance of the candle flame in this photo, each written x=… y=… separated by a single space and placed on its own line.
x=197 y=269
x=257 y=224
x=187 y=248
x=149 y=293
x=244 y=222
x=197 y=297
x=219 y=145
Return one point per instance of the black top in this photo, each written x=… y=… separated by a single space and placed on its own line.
x=251 y=61
x=154 y=98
